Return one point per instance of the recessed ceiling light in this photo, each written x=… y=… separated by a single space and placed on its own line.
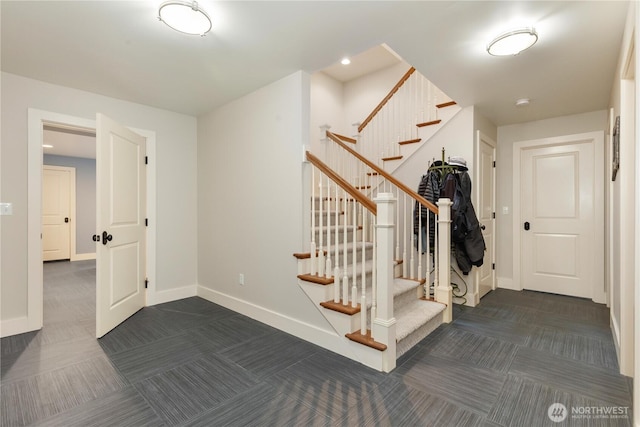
x=345 y=61
x=185 y=17
x=47 y=146
x=512 y=42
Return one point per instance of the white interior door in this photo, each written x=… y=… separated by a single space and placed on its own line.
x=56 y=213
x=558 y=218
x=485 y=196
x=121 y=211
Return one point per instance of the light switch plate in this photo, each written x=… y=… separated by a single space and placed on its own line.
x=6 y=208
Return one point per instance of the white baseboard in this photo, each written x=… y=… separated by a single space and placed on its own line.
x=169 y=295
x=83 y=257
x=615 y=330
x=321 y=337
x=507 y=283
x=18 y=325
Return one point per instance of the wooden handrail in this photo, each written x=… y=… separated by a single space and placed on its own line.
x=415 y=196
x=386 y=99
x=357 y=195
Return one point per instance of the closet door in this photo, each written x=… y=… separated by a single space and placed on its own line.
x=558 y=221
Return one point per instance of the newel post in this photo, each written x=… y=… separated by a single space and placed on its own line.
x=443 y=292
x=383 y=328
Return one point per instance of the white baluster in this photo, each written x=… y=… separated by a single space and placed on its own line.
x=363 y=299
x=328 y=269
x=312 y=245
x=374 y=276
x=427 y=282
x=354 y=285
x=321 y=235
x=420 y=245
x=397 y=222
x=345 y=278
x=336 y=270
x=405 y=260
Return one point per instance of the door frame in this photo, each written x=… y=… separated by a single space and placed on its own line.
x=599 y=294
x=35 y=122
x=72 y=207
x=480 y=137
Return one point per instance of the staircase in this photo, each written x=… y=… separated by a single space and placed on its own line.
x=363 y=270
x=416 y=315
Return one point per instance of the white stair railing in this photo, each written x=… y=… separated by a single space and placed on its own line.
x=411 y=104
x=360 y=282
x=414 y=253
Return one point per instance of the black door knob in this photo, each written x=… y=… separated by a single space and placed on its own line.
x=527 y=226
x=106 y=237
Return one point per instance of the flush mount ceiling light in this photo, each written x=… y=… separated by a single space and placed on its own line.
x=513 y=42
x=523 y=102
x=185 y=17
x=345 y=61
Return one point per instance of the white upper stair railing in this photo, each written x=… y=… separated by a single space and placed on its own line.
x=413 y=104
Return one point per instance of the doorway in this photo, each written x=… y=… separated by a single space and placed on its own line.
x=58 y=201
x=558 y=196
x=37 y=119
x=486 y=202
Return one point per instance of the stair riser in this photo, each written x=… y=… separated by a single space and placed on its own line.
x=418 y=335
x=358 y=257
x=341 y=234
x=331 y=205
x=399 y=302
x=330 y=221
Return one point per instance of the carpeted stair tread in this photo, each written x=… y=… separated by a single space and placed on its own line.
x=414 y=315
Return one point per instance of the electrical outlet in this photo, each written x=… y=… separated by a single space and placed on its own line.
x=241 y=279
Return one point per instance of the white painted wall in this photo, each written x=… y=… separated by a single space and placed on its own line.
x=623 y=198
x=176 y=180
x=253 y=204
x=326 y=108
x=363 y=94
x=507 y=135
x=342 y=104
x=458 y=138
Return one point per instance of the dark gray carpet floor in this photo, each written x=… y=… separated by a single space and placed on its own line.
x=194 y=363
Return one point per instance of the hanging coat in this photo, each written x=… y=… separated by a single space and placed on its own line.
x=429 y=188
x=466 y=233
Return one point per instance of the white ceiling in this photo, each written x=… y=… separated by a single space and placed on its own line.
x=120 y=49
x=69 y=142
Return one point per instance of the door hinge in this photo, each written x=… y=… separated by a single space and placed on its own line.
x=146 y=160
x=493 y=215
x=494 y=163
x=493 y=266
x=146 y=222
x=146 y=283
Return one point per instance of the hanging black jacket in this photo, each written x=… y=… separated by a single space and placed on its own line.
x=465 y=228
x=429 y=188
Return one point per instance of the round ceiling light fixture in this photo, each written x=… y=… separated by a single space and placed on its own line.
x=523 y=102
x=185 y=17
x=345 y=61
x=513 y=42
